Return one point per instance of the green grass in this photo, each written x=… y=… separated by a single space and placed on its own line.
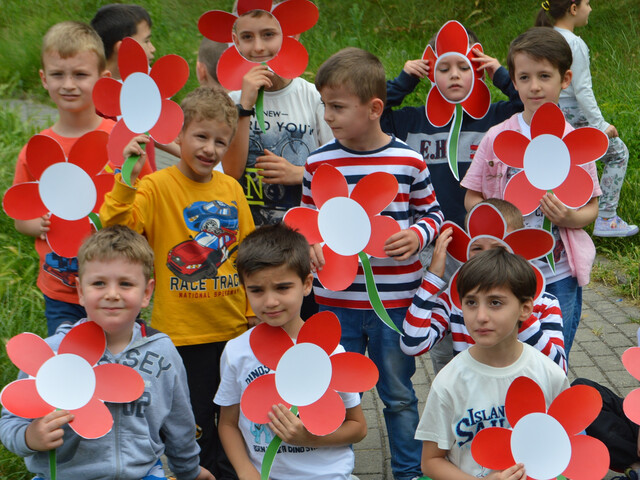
x=395 y=31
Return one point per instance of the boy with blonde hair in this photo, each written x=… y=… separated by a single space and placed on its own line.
x=115 y=282
x=353 y=89
x=194 y=219
x=72 y=62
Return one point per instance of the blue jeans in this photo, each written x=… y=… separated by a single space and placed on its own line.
x=362 y=329
x=569 y=295
x=59 y=312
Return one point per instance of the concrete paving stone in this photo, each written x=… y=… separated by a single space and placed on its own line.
x=590 y=373
x=610 y=363
x=579 y=359
x=596 y=347
x=617 y=340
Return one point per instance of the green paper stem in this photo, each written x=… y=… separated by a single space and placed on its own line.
x=129 y=163
x=374 y=297
x=270 y=454
x=454 y=136
x=52 y=464
x=95 y=219
x=546 y=225
x=260 y=109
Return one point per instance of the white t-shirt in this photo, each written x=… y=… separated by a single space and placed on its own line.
x=238 y=368
x=467 y=396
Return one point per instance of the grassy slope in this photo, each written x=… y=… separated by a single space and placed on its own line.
x=395 y=31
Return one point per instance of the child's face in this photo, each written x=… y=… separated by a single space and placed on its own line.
x=143 y=37
x=582 y=13
x=113 y=292
x=276 y=294
x=537 y=82
x=483 y=243
x=70 y=80
x=258 y=39
x=454 y=77
x=203 y=143
x=492 y=317
x=349 y=118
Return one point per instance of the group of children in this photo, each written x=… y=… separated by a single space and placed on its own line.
x=215 y=276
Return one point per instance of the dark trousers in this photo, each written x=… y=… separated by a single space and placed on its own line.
x=202 y=363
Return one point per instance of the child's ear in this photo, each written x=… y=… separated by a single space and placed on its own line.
x=116 y=48
x=376 y=106
x=43 y=79
x=566 y=80
x=106 y=73
x=526 y=309
x=148 y=291
x=308 y=284
x=201 y=72
x=80 y=292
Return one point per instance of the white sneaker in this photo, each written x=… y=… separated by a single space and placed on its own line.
x=613 y=227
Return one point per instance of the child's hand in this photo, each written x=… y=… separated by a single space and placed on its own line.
x=205 y=474
x=134 y=148
x=562 y=216
x=512 y=473
x=44 y=434
x=278 y=170
x=439 y=258
x=317 y=257
x=255 y=79
x=402 y=245
x=611 y=131
x=45 y=225
x=253 y=321
x=485 y=62
x=417 y=68
x=288 y=426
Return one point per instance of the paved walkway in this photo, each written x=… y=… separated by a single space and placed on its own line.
x=608 y=327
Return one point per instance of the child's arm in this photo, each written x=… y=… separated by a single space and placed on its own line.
x=563 y=216
x=471 y=199
x=233 y=443
x=37 y=227
x=291 y=430
x=406 y=82
x=44 y=434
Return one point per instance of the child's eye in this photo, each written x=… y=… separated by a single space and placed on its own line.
x=469 y=303
x=246 y=37
x=496 y=303
x=98 y=283
x=126 y=284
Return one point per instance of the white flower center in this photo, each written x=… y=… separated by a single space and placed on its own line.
x=547 y=161
x=344 y=226
x=66 y=381
x=542 y=445
x=140 y=102
x=67 y=191
x=303 y=374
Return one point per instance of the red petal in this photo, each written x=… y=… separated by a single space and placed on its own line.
x=374 y=192
x=589 y=459
x=524 y=396
x=245 y=6
x=232 y=67
x=575 y=420
x=453 y=290
x=586 y=145
x=477 y=105
x=522 y=194
x=217 y=25
x=170 y=73
x=452 y=37
x=470 y=55
x=41 y=153
x=296 y=16
x=106 y=96
x=510 y=146
x=104 y=184
x=491 y=448
x=327 y=183
x=382 y=227
x=90 y=152
x=631 y=361
x=485 y=219
x=324 y=416
x=292 y=59
x=577 y=189
x=86 y=340
x=459 y=241
x=305 y=221
x=269 y=344
x=94 y=420
x=439 y=111
x=338 y=271
x=430 y=56
x=28 y=352
x=353 y=372
x=548 y=119
x=131 y=58
x=169 y=124
x=65 y=237
x=23 y=202
x=540 y=282
x=117 y=383
x=322 y=329
x=259 y=397
x=631 y=406
x=23 y=400
x=119 y=138
x=531 y=243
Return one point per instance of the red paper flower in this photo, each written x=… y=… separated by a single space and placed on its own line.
x=549 y=161
x=294 y=16
x=548 y=443
x=141 y=98
x=68 y=189
x=485 y=221
x=347 y=223
x=307 y=374
x=69 y=380
x=451 y=40
x=631 y=404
